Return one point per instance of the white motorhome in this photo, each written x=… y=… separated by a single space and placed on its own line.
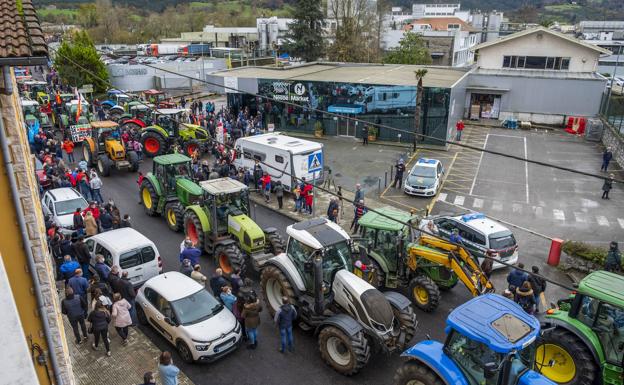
x=388 y=98
x=282 y=156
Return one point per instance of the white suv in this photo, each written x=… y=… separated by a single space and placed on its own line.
x=424 y=178
x=188 y=316
x=480 y=235
x=60 y=204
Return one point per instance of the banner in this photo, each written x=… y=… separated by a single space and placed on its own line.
x=80 y=132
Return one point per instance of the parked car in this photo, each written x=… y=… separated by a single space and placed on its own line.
x=424 y=178
x=188 y=316
x=130 y=250
x=60 y=204
x=480 y=235
x=43 y=179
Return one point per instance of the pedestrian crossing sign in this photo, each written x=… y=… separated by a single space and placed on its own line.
x=315 y=162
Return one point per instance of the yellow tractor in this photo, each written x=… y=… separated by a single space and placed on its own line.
x=105 y=149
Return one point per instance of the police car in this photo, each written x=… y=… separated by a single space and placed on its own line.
x=480 y=235
x=424 y=178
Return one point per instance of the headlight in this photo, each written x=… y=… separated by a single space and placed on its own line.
x=258 y=242
x=237 y=328
x=202 y=348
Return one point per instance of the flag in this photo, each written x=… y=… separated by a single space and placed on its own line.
x=58 y=98
x=78 y=108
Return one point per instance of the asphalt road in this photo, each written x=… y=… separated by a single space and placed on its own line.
x=265 y=365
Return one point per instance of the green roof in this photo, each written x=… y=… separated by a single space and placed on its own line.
x=171 y=159
x=377 y=221
x=605 y=286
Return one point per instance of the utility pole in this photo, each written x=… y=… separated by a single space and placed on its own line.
x=420 y=74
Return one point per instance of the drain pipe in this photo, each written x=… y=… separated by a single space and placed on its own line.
x=8 y=84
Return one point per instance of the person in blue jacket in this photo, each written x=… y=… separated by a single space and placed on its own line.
x=68 y=267
x=190 y=252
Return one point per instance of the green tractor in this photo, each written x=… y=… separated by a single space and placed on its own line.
x=400 y=256
x=583 y=339
x=221 y=224
x=167 y=128
x=168 y=189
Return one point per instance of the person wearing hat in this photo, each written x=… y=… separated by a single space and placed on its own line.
x=359 y=194
x=607 y=186
x=400 y=169
x=190 y=252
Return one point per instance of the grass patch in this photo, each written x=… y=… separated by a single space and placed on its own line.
x=563 y=7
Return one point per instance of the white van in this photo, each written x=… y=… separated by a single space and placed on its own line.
x=282 y=154
x=130 y=250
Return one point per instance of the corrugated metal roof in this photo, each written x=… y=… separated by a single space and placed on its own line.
x=20 y=33
x=547 y=74
x=387 y=74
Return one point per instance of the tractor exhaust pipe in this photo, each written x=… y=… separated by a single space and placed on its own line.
x=319 y=307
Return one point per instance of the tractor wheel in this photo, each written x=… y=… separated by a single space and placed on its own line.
x=345 y=354
x=153 y=144
x=190 y=146
x=104 y=165
x=407 y=324
x=174 y=215
x=564 y=358
x=377 y=277
x=425 y=293
x=274 y=286
x=133 y=158
x=274 y=243
x=229 y=258
x=194 y=230
x=149 y=198
x=416 y=373
x=87 y=155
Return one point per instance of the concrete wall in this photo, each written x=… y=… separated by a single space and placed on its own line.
x=547 y=45
x=610 y=138
x=542 y=100
x=456 y=103
x=14 y=255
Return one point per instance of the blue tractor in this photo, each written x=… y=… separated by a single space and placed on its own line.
x=490 y=341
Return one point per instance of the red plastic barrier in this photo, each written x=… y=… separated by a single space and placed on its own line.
x=554 y=255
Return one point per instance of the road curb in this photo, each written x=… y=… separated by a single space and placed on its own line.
x=285 y=212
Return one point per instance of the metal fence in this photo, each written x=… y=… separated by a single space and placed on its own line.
x=612 y=110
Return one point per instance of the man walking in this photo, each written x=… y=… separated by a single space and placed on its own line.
x=284 y=318
x=68 y=267
x=126 y=289
x=607 y=155
x=538 y=284
x=217 y=282
x=516 y=278
x=365 y=136
x=607 y=186
x=359 y=194
x=75 y=307
x=400 y=169
x=81 y=251
x=190 y=252
x=460 y=128
x=79 y=284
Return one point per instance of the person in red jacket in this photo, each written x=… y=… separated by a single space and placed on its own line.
x=459 y=127
x=139 y=182
x=307 y=196
x=266 y=186
x=93 y=209
x=68 y=146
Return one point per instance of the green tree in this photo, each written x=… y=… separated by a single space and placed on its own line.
x=305 y=36
x=78 y=63
x=411 y=50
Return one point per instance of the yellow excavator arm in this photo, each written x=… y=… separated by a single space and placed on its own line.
x=453 y=257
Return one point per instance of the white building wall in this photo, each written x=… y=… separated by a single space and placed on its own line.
x=581 y=59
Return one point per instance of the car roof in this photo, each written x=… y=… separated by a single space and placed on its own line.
x=376 y=221
x=426 y=162
x=222 y=186
x=496 y=321
x=64 y=194
x=605 y=286
x=171 y=159
x=480 y=222
x=173 y=285
x=28 y=102
x=123 y=239
x=171 y=111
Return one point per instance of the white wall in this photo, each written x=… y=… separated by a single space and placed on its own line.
x=548 y=45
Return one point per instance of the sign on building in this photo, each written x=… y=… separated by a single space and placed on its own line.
x=80 y=132
x=289 y=91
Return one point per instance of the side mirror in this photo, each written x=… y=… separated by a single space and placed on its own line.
x=490 y=369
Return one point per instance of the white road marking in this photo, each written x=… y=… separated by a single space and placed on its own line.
x=478 y=203
x=580 y=217
x=498 y=206
x=516 y=207
x=442 y=197
x=354 y=148
x=621 y=222
x=559 y=215
x=526 y=170
x=459 y=200
x=602 y=220
x=474 y=180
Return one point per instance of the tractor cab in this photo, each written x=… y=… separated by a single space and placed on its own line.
x=226 y=198
x=169 y=169
x=490 y=341
x=157 y=98
x=33 y=116
x=169 y=119
x=36 y=88
x=71 y=108
x=105 y=148
x=105 y=133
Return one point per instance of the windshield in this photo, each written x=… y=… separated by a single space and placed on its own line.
x=502 y=240
x=68 y=207
x=196 y=307
x=423 y=172
x=232 y=204
x=471 y=356
x=33 y=110
x=336 y=257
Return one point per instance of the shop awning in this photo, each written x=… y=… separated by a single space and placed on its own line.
x=487 y=90
x=345 y=109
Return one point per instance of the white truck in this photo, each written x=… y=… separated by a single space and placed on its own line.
x=282 y=157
